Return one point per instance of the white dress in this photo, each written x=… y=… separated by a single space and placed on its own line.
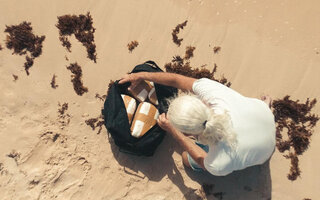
x=253 y=123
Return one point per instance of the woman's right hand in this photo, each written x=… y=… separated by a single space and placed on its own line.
x=134 y=78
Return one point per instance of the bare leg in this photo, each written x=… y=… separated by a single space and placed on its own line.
x=185 y=159
x=267 y=99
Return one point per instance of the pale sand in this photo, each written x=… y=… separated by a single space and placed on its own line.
x=266 y=48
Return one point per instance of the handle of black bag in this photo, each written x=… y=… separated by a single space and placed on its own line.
x=153 y=64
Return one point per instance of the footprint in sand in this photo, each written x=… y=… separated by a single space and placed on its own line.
x=70 y=179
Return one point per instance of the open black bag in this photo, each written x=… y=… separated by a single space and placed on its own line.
x=116 y=119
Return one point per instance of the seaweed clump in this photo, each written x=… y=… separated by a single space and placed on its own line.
x=22 y=40
x=132 y=45
x=81 y=27
x=53 y=82
x=76 y=79
x=175 y=32
x=0 y=47
x=189 y=52
x=15 y=77
x=216 y=49
x=95 y=122
x=182 y=66
x=295 y=119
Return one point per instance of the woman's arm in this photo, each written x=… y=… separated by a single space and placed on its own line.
x=163 y=78
x=196 y=152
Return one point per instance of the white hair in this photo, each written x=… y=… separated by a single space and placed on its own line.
x=188 y=114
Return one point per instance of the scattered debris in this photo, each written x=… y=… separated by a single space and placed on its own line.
x=189 y=52
x=14 y=154
x=95 y=122
x=62 y=108
x=179 y=66
x=65 y=42
x=294 y=119
x=175 y=32
x=53 y=82
x=63 y=117
x=132 y=45
x=34 y=182
x=50 y=135
x=15 y=77
x=1 y=47
x=81 y=27
x=76 y=79
x=22 y=40
x=294 y=169
x=1 y=167
x=67 y=59
x=102 y=98
x=216 y=49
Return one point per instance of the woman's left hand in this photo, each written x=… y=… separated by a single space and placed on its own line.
x=164 y=123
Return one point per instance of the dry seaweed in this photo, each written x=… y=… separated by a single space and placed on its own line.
x=62 y=109
x=14 y=154
x=95 y=122
x=294 y=169
x=63 y=117
x=216 y=49
x=175 y=32
x=15 y=77
x=22 y=40
x=132 y=45
x=53 y=82
x=0 y=47
x=296 y=120
x=189 y=52
x=76 y=79
x=81 y=27
x=102 y=98
x=91 y=122
x=65 y=42
x=179 y=66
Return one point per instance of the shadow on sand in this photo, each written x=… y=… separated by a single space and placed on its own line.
x=253 y=183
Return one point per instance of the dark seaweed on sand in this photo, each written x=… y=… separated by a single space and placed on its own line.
x=296 y=120
x=22 y=40
x=81 y=27
x=95 y=122
x=294 y=169
x=53 y=82
x=102 y=98
x=189 y=52
x=181 y=66
x=175 y=32
x=65 y=42
x=63 y=108
x=76 y=79
x=0 y=47
x=15 y=77
x=216 y=49
x=132 y=45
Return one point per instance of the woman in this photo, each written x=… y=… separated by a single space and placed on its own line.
x=232 y=131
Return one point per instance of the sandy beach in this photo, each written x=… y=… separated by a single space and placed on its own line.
x=266 y=47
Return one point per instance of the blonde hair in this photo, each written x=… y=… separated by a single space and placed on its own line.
x=190 y=115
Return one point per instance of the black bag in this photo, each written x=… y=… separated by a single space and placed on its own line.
x=116 y=119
